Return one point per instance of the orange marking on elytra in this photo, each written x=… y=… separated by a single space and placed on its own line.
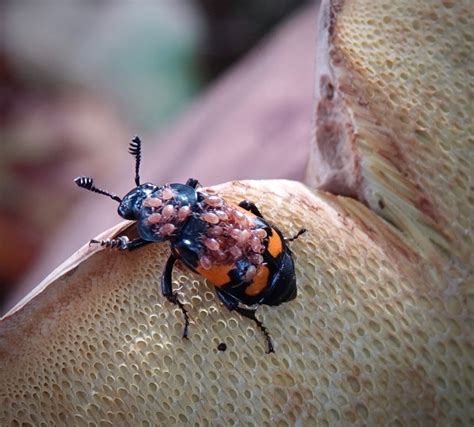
x=218 y=275
x=259 y=281
x=275 y=246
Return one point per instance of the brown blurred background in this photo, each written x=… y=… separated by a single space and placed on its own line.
x=79 y=79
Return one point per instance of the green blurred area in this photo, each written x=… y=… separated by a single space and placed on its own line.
x=79 y=78
x=140 y=58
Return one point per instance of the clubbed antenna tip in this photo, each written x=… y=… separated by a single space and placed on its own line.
x=88 y=183
x=135 y=149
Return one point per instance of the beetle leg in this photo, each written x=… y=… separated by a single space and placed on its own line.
x=290 y=239
x=122 y=243
x=228 y=300
x=250 y=314
x=167 y=291
x=251 y=207
x=191 y=182
x=232 y=304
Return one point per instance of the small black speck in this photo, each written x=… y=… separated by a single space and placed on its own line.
x=222 y=346
x=381 y=204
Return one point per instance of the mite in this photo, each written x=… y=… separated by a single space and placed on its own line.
x=246 y=259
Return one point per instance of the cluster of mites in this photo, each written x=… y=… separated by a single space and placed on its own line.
x=230 y=235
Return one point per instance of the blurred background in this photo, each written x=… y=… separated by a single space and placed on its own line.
x=79 y=78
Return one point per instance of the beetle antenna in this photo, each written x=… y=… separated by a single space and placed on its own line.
x=290 y=239
x=88 y=184
x=135 y=150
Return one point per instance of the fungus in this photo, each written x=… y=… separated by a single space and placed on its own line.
x=371 y=336
x=378 y=334
x=394 y=108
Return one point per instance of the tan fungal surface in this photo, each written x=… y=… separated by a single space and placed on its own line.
x=375 y=336
x=395 y=108
x=382 y=330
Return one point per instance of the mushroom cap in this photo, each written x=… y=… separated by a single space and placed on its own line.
x=372 y=337
x=394 y=108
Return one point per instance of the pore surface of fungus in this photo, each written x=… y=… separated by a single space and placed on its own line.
x=371 y=338
x=394 y=116
x=381 y=332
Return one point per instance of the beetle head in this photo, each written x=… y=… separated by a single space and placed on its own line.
x=130 y=205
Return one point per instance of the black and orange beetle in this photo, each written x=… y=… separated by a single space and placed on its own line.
x=234 y=247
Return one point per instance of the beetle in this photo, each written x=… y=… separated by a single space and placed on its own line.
x=245 y=257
